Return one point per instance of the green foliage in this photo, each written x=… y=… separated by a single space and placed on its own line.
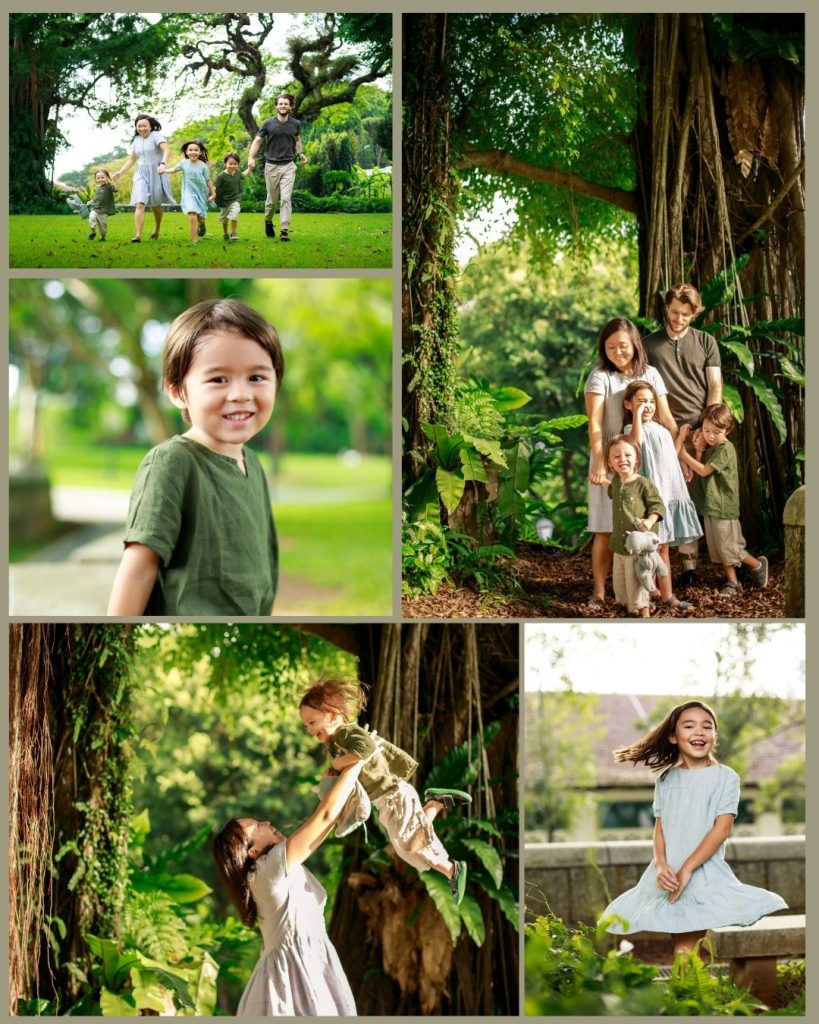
x=567 y=974
x=790 y=978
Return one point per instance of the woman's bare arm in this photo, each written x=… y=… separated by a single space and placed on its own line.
x=315 y=830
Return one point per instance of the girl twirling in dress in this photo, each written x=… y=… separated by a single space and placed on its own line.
x=660 y=464
x=688 y=887
x=197 y=186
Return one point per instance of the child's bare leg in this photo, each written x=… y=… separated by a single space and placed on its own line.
x=684 y=942
x=730 y=574
x=664 y=584
x=193 y=224
x=139 y=219
x=751 y=562
x=234 y=226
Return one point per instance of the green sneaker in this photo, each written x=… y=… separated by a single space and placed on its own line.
x=450 y=798
x=457 y=884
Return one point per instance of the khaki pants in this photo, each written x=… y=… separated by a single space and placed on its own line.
x=98 y=220
x=627 y=588
x=401 y=815
x=279 y=178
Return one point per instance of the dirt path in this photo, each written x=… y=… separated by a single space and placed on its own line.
x=556 y=585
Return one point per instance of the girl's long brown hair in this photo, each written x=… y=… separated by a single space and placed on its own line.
x=236 y=867
x=347 y=697
x=628 y=395
x=655 y=750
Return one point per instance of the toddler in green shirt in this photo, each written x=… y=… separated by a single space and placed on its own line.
x=328 y=710
x=200 y=537
x=717 y=498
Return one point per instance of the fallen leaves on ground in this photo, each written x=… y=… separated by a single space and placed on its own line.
x=554 y=584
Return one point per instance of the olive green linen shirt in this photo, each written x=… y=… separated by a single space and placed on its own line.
x=635 y=500
x=717 y=495
x=211 y=526
x=386 y=763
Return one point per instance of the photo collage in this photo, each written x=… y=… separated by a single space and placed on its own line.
x=487 y=699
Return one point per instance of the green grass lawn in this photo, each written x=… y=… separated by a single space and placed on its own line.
x=349 y=240
x=345 y=549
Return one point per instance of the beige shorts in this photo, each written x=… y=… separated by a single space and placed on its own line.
x=726 y=545
x=231 y=212
x=401 y=815
x=98 y=220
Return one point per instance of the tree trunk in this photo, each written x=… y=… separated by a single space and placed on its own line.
x=430 y=209
x=719 y=154
x=433 y=688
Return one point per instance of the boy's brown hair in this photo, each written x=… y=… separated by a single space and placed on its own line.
x=190 y=328
x=720 y=415
x=230 y=155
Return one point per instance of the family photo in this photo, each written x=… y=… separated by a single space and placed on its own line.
x=191 y=447
x=603 y=315
x=665 y=820
x=213 y=138
x=263 y=820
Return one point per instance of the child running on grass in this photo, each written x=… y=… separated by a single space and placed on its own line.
x=200 y=538
x=101 y=205
x=229 y=185
x=197 y=186
x=328 y=710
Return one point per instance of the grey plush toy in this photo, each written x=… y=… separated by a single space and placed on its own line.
x=647 y=563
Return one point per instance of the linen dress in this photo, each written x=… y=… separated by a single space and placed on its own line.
x=194 y=190
x=687 y=802
x=612 y=385
x=298 y=973
x=149 y=186
x=662 y=467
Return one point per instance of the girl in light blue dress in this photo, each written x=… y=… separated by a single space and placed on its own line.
x=660 y=464
x=197 y=187
x=688 y=887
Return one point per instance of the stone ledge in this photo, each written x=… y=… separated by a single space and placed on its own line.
x=639 y=851
x=771 y=936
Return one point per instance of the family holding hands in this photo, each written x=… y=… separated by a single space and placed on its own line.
x=279 y=135
x=661 y=458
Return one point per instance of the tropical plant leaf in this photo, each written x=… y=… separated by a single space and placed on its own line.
x=722 y=287
x=450 y=487
x=438 y=888
x=517 y=472
x=113 y=1005
x=460 y=766
x=768 y=397
x=446 y=446
x=490 y=448
x=733 y=399
x=488 y=856
x=503 y=896
x=473 y=468
x=421 y=499
x=563 y=422
x=511 y=504
x=181 y=888
x=470 y=913
x=741 y=351
x=508 y=398
x=791 y=372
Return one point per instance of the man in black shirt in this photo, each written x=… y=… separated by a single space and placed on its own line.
x=281 y=137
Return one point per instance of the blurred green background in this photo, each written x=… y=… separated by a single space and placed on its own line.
x=86 y=404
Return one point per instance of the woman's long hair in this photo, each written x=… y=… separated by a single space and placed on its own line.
x=152 y=121
x=230 y=851
x=655 y=749
x=639 y=360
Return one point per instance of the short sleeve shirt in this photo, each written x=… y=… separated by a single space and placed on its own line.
x=103 y=199
x=228 y=188
x=280 y=139
x=682 y=365
x=634 y=500
x=718 y=493
x=376 y=776
x=211 y=526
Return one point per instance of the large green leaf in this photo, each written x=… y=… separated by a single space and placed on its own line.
x=518 y=465
x=741 y=351
x=148 y=993
x=488 y=856
x=460 y=766
x=450 y=487
x=446 y=446
x=438 y=888
x=115 y=965
x=422 y=499
x=511 y=504
x=768 y=397
x=791 y=371
x=733 y=399
x=204 y=989
x=504 y=896
x=491 y=449
x=563 y=422
x=113 y=1005
x=508 y=398
x=720 y=288
x=181 y=888
x=470 y=913
x=473 y=467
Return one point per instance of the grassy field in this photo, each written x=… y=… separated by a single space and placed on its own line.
x=330 y=240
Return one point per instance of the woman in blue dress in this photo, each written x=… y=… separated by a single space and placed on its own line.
x=688 y=887
x=149 y=188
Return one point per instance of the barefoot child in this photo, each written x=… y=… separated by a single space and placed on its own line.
x=688 y=887
x=200 y=538
x=659 y=463
x=228 y=185
x=328 y=710
x=197 y=187
x=636 y=505
x=718 y=496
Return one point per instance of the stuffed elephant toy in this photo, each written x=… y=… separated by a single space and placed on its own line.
x=647 y=560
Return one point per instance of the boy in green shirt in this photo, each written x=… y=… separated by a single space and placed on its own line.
x=717 y=497
x=200 y=538
x=229 y=185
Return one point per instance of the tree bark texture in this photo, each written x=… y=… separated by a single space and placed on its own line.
x=428 y=327
x=69 y=797
x=719 y=153
x=434 y=687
